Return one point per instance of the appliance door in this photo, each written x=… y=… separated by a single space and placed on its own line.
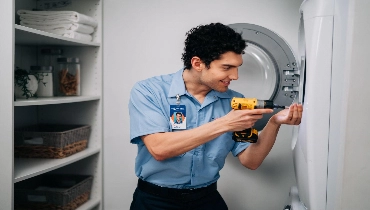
x=269 y=70
x=310 y=138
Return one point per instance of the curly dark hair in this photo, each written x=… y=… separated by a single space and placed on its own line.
x=209 y=42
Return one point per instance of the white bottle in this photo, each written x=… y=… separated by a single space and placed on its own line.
x=44 y=75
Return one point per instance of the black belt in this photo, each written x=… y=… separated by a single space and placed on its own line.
x=174 y=193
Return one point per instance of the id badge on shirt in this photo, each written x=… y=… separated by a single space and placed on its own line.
x=178 y=116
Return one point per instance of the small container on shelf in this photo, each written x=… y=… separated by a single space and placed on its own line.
x=49 y=56
x=25 y=85
x=68 y=77
x=52 y=192
x=50 y=141
x=45 y=78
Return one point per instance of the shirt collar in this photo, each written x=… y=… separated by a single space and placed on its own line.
x=178 y=87
x=177 y=84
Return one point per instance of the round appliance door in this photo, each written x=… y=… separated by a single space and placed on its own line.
x=269 y=70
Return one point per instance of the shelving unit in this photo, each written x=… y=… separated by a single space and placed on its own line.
x=27 y=168
x=23 y=44
x=30 y=36
x=54 y=100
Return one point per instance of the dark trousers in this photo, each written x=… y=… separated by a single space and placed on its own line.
x=146 y=199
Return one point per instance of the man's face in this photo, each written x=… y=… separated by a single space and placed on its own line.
x=220 y=73
x=178 y=117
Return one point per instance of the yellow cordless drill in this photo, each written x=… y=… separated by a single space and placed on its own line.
x=250 y=134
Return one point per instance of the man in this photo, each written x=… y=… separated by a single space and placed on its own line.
x=179 y=168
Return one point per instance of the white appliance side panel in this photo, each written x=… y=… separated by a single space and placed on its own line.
x=311 y=150
x=343 y=32
x=356 y=164
x=317 y=8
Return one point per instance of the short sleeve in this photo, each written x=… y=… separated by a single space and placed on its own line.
x=147 y=114
x=239 y=147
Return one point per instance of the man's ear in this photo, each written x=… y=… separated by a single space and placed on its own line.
x=197 y=64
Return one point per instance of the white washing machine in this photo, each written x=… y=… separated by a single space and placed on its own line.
x=308 y=78
x=311 y=139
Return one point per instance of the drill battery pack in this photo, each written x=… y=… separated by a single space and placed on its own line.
x=248 y=135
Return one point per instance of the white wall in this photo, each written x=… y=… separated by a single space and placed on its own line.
x=145 y=38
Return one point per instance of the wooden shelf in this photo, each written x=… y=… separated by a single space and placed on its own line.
x=25 y=168
x=54 y=100
x=29 y=36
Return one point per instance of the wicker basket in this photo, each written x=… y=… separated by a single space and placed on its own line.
x=52 y=192
x=51 y=141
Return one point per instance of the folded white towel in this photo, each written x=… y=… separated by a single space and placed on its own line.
x=46 y=23
x=76 y=35
x=58 y=15
x=51 y=19
x=78 y=27
x=57 y=31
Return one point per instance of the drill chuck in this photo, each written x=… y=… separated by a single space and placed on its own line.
x=268 y=104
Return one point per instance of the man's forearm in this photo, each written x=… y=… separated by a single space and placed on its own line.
x=170 y=144
x=253 y=156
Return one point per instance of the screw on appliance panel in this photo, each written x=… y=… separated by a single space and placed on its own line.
x=257 y=32
x=293 y=64
x=288 y=65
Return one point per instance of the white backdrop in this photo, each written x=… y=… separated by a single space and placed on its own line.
x=145 y=38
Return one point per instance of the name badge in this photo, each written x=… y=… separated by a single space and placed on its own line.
x=178 y=116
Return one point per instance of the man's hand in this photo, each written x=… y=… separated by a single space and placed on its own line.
x=253 y=156
x=239 y=120
x=291 y=116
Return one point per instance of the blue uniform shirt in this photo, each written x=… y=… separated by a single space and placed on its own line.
x=149 y=108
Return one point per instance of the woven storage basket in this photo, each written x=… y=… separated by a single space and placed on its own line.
x=51 y=141
x=52 y=192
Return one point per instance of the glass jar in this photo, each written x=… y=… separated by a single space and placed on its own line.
x=49 y=57
x=68 y=77
x=44 y=75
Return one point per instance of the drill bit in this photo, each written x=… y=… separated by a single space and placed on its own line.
x=276 y=106
x=280 y=107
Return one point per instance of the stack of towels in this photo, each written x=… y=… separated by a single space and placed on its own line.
x=66 y=23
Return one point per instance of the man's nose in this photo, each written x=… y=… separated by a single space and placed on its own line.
x=234 y=74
